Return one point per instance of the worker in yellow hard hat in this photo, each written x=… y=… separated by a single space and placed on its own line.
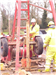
x=50 y=25
x=50 y=46
x=34 y=29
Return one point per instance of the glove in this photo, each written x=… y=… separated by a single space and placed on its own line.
x=45 y=48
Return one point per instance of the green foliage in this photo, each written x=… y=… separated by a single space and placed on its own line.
x=6 y=33
x=5 y=20
x=44 y=19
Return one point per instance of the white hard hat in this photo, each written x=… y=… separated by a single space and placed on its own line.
x=33 y=20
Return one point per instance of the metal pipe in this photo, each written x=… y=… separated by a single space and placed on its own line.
x=53 y=11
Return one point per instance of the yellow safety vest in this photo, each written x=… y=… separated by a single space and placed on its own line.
x=35 y=30
x=50 y=40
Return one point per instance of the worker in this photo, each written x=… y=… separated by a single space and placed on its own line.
x=50 y=47
x=49 y=27
x=34 y=30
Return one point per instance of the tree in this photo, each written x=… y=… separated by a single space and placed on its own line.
x=5 y=20
x=44 y=19
x=7 y=15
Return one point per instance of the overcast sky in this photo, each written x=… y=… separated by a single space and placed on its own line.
x=5 y=1
x=11 y=2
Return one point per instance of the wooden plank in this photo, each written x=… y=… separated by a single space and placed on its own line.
x=27 y=44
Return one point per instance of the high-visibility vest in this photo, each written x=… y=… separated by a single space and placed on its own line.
x=50 y=40
x=35 y=30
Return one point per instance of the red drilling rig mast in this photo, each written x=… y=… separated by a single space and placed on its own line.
x=18 y=14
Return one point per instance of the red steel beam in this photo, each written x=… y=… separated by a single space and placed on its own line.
x=23 y=19
x=22 y=27
x=28 y=12
x=18 y=36
x=13 y=30
x=53 y=11
x=40 y=7
x=24 y=9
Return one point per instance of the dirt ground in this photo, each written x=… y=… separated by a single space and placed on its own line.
x=36 y=66
x=29 y=73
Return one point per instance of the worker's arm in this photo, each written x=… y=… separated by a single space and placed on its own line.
x=47 y=39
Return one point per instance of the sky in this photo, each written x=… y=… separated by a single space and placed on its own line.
x=11 y=2
x=5 y=1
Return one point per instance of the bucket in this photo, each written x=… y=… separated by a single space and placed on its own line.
x=1 y=66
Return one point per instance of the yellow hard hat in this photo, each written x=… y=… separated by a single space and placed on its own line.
x=50 y=23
